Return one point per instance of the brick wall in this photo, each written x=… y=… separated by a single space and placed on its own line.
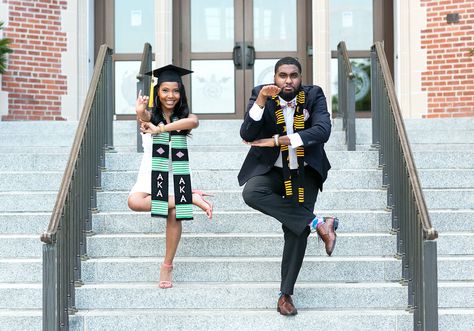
x=449 y=79
x=33 y=79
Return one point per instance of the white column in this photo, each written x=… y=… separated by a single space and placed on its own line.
x=3 y=95
x=322 y=48
x=70 y=60
x=411 y=58
x=164 y=32
x=78 y=61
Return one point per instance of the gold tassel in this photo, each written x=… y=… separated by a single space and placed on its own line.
x=150 y=100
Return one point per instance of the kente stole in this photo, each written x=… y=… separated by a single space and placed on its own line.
x=298 y=125
x=181 y=175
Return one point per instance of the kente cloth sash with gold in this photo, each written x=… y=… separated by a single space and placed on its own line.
x=160 y=168
x=298 y=125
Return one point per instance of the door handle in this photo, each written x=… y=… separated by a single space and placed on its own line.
x=250 y=57
x=237 y=55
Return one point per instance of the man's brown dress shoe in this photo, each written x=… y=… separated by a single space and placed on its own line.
x=326 y=232
x=285 y=305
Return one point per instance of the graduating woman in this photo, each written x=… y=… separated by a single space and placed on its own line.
x=164 y=184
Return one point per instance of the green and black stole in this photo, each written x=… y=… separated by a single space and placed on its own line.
x=298 y=125
x=181 y=175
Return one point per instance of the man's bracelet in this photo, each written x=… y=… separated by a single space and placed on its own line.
x=275 y=138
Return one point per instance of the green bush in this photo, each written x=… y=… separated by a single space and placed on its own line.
x=4 y=49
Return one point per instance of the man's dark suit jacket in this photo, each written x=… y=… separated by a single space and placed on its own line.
x=317 y=129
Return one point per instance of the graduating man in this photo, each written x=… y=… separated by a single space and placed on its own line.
x=286 y=125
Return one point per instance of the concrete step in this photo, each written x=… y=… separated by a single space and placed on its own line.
x=240 y=296
x=424 y=136
x=33 y=162
x=227 y=180
x=238 y=269
x=21 y=270
x=232 y=160
x=38 y=128
x=242 y=269
x=121 y=138
x=234 y=222
x=459 y=294
x=232 y=200
x=438 y=147
x=231 y=221
x=447 y=178
x=231 y=244
x=30 y=181
x=224 y=200
x=417 y=124
x=34 y=149
x=20 y=319
x=450 y=220
x=20 y=295
x=234 y=244
x=444 y=159
x=235 y=319
x=24 y=222
x=450 y=319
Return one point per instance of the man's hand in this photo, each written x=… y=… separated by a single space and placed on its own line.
x=265 y=92
x=265 y=142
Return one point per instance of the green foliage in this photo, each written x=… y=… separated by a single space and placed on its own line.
x=4 y=49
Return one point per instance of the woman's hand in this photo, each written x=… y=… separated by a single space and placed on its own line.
x=140 y=107
x=148 y=127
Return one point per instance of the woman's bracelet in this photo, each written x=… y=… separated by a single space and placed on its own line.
x=161 y=127
x=275 y=139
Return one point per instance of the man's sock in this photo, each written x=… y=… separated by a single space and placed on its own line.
x=315 y=223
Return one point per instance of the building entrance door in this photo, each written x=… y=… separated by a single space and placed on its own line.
x=232 y=45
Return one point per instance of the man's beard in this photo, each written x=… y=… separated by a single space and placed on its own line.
x=288 y=96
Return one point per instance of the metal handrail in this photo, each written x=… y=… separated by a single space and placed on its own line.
x=143 y=84
x=416 y=237
x=65 y=239
x=346 y=95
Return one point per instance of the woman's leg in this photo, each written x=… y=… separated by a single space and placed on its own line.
x=139 y=201
x=173 y=235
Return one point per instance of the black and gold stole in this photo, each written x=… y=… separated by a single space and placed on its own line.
x=181 y=175
x=298 y=125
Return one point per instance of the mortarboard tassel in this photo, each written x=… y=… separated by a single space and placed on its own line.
x=150 y=100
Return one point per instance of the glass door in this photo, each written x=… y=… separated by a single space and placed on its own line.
x=232 y=45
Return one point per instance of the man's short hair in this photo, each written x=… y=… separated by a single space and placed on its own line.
x=288 y=60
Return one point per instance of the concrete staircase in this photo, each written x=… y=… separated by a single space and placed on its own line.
x=227 y=270
x=444 y=155
x=33 y=156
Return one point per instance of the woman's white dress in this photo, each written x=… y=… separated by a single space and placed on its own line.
x=143 y=183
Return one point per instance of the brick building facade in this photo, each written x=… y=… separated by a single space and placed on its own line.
x=43 y=78
x=34 y=79
x=449 y=78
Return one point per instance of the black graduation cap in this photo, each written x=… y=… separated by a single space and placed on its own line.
x=169 y=73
